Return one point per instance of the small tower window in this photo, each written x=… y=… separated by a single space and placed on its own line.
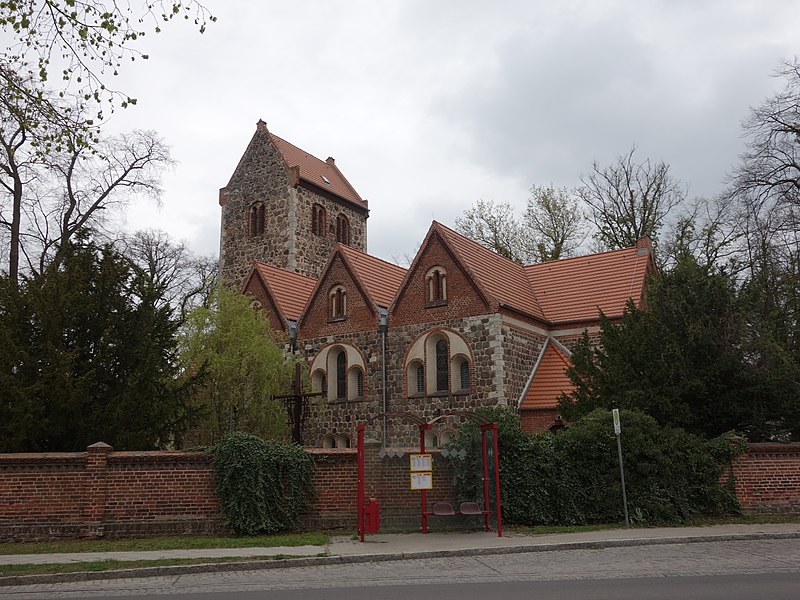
x=343 y=230
x=337 y=303
x=319 y=220
x=255 y=224
x=420 y=378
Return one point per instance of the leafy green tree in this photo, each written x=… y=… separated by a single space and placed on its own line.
x=688 y=360
x=495 y=226
x=88 y=353
x=554 y=222
x=237 y=352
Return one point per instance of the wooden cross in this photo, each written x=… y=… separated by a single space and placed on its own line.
x=297 y=408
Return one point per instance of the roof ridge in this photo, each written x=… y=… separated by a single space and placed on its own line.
x=345 y=180
x=580 y=256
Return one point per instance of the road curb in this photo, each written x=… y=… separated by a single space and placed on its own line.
x=253 y=565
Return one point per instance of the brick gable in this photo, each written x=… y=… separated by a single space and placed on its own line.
x=464 y=297
x=361 y=314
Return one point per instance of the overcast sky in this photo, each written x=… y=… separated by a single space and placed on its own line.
x=428 y=105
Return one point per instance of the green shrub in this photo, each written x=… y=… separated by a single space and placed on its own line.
x=573 y=477
x=263 y=486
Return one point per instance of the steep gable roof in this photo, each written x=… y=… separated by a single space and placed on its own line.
x=549 y=379
x=290 y=291
x=503 y=279
x=380 y=279
x=576 y=289
x=320 y=173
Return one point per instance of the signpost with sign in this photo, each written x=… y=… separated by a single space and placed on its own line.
x=617 y=431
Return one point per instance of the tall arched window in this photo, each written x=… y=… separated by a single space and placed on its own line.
x=337 y=302
x=419 y=376
x=442 y=364
x=342 y=229
x=255 y=219
x=355 y=384
x=436 y=279
x=341 y=376
x=319 y=222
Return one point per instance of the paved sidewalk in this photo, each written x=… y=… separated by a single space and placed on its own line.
x=409 y=545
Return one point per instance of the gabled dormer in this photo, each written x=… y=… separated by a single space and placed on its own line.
x=280 y=294
x=353 y=291
x=453 y=277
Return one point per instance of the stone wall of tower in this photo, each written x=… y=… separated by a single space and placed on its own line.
x=312 y=251
x=261 y=176
x=287 y=240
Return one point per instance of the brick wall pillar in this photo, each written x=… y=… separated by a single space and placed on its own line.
x=96 y=489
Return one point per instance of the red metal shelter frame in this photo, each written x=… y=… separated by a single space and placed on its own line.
x=485 y=425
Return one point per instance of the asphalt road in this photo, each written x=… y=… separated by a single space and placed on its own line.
x=763 y=569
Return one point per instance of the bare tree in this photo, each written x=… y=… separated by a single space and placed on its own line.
x=769 y=170
x=184 y=280
x=629 y=199
x=554 y=223
x=495 y=226
x=86 y=183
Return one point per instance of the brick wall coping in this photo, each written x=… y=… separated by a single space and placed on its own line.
x=159 y=457
x=773 y=448
x=43 y=458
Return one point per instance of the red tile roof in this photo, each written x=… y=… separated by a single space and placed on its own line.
x=323 y=174
x=504 y=279
x=381 y=279
x=575 y=289
x=549 y=380
x=290 y=291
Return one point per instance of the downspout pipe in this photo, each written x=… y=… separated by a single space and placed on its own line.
x=384 y=327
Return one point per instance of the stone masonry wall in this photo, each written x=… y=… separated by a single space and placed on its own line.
x=521 y=349
x=287 y=241
x=261 y=176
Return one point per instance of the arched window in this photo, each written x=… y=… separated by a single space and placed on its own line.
x=318 y=382
x=256 y=219
x=459 y=374
x=342 y=441
x=445 y=438
x=436 y=279
x=342 y=230
x=319 y=222
x=415 y=379
x=355 y=384
x=341 y=375
x=420 y=378
x=329 y=441
x=442 y=364
x=337 y=302
x=430 y=439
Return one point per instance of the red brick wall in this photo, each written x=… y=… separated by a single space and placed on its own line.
x=361 y=316
x=536 y=421
x=463 y=297
x=768 y=478
x=120 y=494
x=101 y=493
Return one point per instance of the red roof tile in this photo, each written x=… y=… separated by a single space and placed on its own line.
x=323 y=174
x=575 y=289
x=381 y=279
x=290 y=291
x=549 y=380
x=504 y=279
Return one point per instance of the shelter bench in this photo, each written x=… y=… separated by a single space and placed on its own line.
x=445 y=509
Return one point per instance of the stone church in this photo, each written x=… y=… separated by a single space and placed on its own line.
x=461 y=328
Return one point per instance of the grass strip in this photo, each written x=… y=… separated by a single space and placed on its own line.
x=189 y=542
x=111 y=565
